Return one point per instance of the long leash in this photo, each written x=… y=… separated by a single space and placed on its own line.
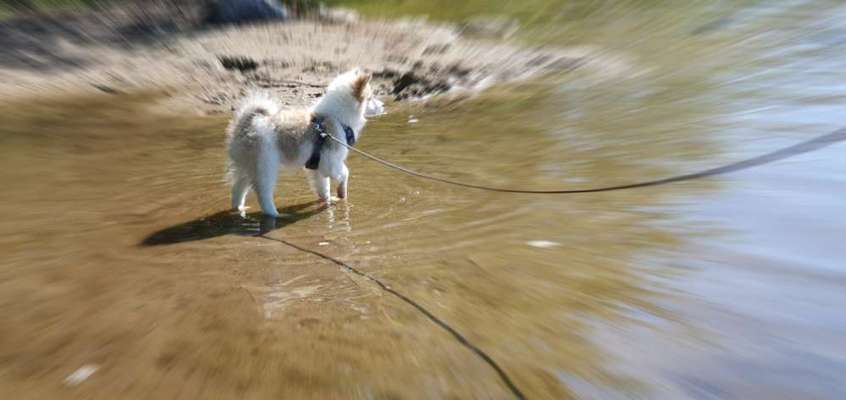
x=509 y=383
x=790 y=151
x=807 y=146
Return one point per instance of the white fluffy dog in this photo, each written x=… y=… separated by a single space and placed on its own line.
x=262 y=136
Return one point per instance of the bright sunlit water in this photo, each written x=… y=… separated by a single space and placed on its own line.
x=118 y=251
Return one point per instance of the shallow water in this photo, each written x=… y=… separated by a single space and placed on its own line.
x=118 y=252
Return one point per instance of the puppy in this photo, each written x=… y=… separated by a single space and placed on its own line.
x=262 y=136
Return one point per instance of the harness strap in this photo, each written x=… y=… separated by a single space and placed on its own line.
x=318 y=126
x=350 y=135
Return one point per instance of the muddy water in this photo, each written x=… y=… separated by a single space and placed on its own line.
x=119 y=254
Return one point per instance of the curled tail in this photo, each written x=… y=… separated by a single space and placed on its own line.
x=252 y=105
x=242 y=136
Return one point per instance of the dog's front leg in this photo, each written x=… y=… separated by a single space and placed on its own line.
x=320 y=184
x=343 y=182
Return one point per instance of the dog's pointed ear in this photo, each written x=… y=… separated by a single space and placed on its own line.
x=359 y=84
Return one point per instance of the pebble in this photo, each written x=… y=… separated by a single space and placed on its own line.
x=542 y=244
x=80 y=375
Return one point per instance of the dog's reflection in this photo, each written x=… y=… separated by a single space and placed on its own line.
x=338 y=217
x=232 y=222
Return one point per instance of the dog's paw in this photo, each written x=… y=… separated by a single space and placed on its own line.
x=329 y=200
x=242 y=211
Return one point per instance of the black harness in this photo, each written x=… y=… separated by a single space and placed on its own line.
x=317 y=124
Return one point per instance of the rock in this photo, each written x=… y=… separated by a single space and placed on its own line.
x=543 y=244
x=81 y=374
x=243 y=11
x=105 y=89
x=239 y=63
x=413 y=85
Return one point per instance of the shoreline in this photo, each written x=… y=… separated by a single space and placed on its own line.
x=206 y=71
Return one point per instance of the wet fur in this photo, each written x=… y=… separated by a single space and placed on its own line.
x=263 y=136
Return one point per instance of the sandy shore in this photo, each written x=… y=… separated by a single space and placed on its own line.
x=206 y=69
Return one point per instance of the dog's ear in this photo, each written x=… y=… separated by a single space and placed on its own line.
x=359 y=84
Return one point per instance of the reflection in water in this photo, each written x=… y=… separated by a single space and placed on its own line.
x=720 y=288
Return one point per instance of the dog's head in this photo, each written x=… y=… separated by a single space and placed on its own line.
x=346 y=99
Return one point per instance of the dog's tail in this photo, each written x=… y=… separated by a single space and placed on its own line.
x=252 y=105
x=242 y=126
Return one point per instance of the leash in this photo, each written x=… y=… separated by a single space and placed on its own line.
x=807 y=146
x=518 y=394
x=811 y=145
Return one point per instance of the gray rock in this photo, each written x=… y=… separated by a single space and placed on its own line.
x=239 y=63
x=243 y=11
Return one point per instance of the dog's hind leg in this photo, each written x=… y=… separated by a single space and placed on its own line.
x=240 y=187
x=319 y=183
x=264 y=181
